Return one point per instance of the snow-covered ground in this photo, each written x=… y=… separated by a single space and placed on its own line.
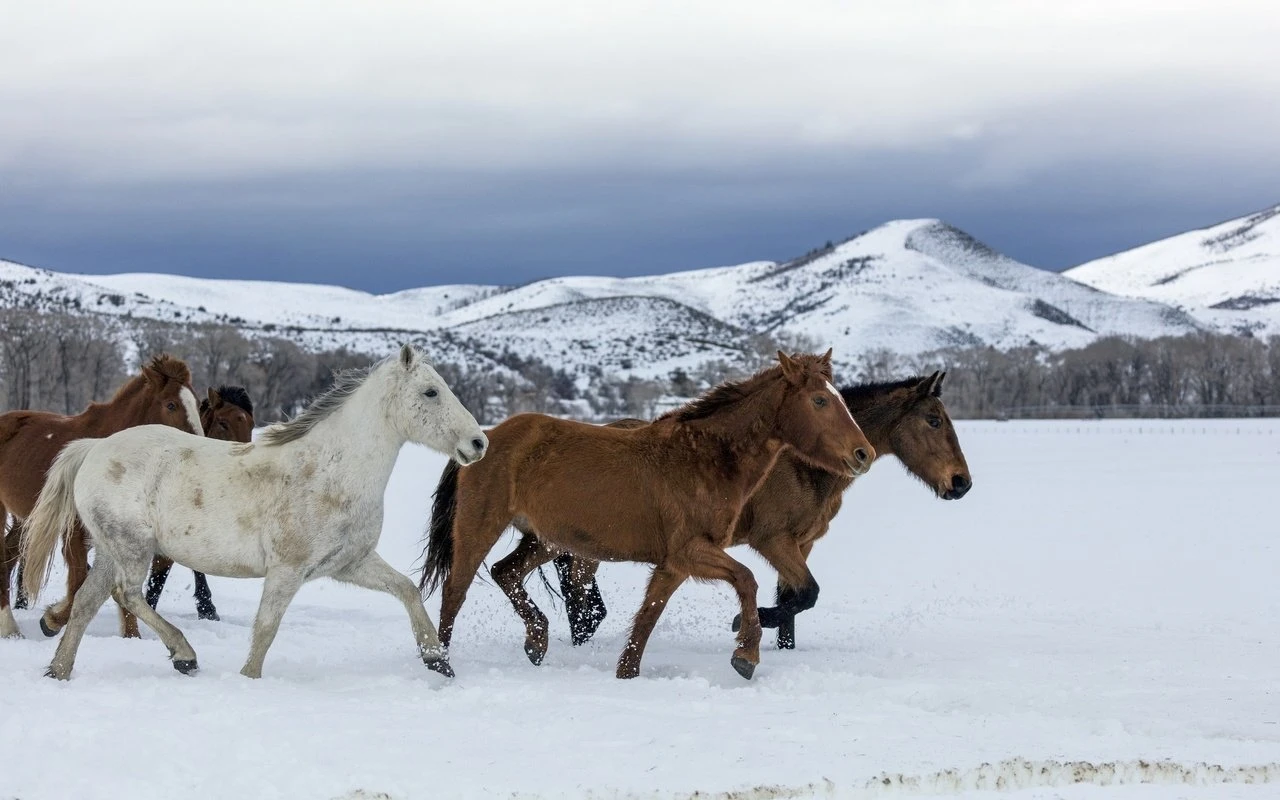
x=1106 y=594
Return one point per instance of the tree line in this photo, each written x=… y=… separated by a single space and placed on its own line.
x=63 y=362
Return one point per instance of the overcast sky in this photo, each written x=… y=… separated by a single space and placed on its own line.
x=387 y=145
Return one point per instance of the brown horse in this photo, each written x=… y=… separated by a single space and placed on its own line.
x=226 y=414
x=674 y=490
x=29 y=441
x=794 y=507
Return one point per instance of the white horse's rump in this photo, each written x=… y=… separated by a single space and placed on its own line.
x=304 y=502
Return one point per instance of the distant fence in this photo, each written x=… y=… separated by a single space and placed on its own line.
x=1187 y=411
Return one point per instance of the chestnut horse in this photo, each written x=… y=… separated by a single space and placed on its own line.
x=29 y=441
x=674 y=490
x=795 y=505
x=227 y=414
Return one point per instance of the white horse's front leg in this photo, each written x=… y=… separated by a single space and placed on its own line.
x=278 y=589
x=374 y=573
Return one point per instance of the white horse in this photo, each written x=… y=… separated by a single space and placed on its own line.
x=304 y=502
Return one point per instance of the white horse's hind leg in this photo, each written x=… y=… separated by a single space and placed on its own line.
x=374 y=573
x=8 y=625
x=180 y=650
x=277 y=592
x=89 y=598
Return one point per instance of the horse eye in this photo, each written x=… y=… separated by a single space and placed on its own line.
x=431 y=393
x=935 y=422
x=819 y=401
x=172 y=406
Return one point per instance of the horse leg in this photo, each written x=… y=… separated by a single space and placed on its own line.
x=8 y=558
x=662 y=583
x=128 y=593
x=160 y=567
x=204 y=599
x=277 y=592
x=475 y=531
x=798 y=599
x=704 y=561
x=797 y=590
x=581 y=594
x=75 y=551
x=92 y=594
x=375 y=573
x=509 y=574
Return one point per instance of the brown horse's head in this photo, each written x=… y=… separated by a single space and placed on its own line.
x=815 y=421
x=227 y=414
x=925 y=440
x=165 y=395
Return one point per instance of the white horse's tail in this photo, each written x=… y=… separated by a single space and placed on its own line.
x=53 y=517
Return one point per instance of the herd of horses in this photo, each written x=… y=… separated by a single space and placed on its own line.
x=151 y=478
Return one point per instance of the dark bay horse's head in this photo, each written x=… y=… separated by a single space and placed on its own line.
x=814 y=420
x=227 y=414
x=164 y=395
x=925 y=440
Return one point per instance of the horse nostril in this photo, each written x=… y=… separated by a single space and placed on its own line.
x=960 y=483
x=477 y=443
x=861 y=456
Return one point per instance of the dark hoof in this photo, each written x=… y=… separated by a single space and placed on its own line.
x=440 y=665
x=535 y=654
x=46 y=630
x=786 y=644
x=744 y=667
x=20 y=603
x=737 y=623
x=209 y=613
x=185 y=667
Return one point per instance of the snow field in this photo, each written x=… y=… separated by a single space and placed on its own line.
x=1105 y=594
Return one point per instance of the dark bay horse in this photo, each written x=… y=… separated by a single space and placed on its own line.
x=675 y=490
x=29 y=440
x=226 y=414
x=794 y=507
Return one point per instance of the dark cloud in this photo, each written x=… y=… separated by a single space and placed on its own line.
x=387 y=230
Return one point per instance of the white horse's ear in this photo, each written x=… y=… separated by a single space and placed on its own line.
x=406 y=355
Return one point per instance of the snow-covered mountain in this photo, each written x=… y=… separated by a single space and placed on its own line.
x=1227 y=275
x=910 y=287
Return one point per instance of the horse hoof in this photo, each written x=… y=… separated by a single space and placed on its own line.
x=210 y=614
x=627 y=673
x=20 y=603
x=737 y=623
x=535 y=654
x=440 y=665
x=744 y=667
x=46 y=630
x=186 y=667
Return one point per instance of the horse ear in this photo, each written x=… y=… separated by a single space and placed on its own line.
x=790 y=369
x=215 y=399
x=926 y=386
x=825 y=358
x=154 y=376
x=937 y=385
x=406 y=355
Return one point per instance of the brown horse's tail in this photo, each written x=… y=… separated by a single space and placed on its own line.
x=54 y=515
x=437 y=557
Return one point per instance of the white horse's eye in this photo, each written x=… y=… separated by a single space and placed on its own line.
x=431 y=393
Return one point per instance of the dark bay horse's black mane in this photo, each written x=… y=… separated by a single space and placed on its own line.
x=235 y=395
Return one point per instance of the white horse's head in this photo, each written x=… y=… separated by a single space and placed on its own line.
x=423 y=408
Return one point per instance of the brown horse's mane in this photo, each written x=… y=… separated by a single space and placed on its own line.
x=169 y=367
x=731 y=392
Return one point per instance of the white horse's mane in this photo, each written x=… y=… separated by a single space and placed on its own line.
x=345 y=384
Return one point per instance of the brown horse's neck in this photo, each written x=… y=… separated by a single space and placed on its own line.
x=877 y=411
x=125 y=409
x=743 y=423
